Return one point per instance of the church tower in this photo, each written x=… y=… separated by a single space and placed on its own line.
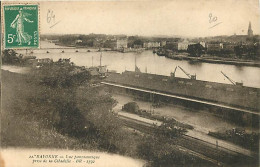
x=250 y=31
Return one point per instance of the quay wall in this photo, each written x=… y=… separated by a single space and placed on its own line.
x=237 y=117
x=232 y=95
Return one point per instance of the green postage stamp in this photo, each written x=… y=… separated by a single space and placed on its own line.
x=21 y=25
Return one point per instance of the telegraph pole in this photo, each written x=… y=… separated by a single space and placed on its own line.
x=100 y=59
x=217 y=152
x=92 y=61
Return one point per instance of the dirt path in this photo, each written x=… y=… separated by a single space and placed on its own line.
x=15 y=69
x=200 y=120
x=194 y=134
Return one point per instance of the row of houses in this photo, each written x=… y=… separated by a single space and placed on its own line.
x=151 y=45
x=177 y=46
x=122 y=44
x=243 y=49
x=209 y=47
x=217 y=47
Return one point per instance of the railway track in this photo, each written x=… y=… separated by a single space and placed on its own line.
x=218 y=156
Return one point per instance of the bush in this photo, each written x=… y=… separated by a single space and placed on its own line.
x=170 y=130
x=239 y=137
x=161 y=153
x=131 y=107
x=10 y=57
x=61 y=74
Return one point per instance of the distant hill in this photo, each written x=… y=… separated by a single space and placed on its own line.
x=232 y=39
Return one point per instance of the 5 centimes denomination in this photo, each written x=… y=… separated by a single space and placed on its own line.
x=21 y=25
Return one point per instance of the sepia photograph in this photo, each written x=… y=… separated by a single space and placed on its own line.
x=130 y=83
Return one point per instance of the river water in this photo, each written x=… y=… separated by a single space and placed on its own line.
x=150 y=63
x=147 y=61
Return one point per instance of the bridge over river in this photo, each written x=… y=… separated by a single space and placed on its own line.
x=148 y=62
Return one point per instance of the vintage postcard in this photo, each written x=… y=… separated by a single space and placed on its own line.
x=147 y=83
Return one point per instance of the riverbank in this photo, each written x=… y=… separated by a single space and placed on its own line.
x=34 y=117
x=16 y=69
x=19 y=127
x=216 y=60
x=184 y=56
x=148 y=62
x=39 y=116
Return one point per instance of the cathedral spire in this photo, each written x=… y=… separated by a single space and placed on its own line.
x=250 y=31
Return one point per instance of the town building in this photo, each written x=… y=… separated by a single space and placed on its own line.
x=78 y=41
x=203 y=44
x=99 y=71
x=121 y=43
x=137 y=46
x=228 y=47
x=171 y=46
x=183 y=46
x=151 y=45
x=214 y=47
x=163 y=43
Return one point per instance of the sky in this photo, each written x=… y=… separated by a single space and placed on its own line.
x=188 y=18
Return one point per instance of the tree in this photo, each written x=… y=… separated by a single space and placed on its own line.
x=195 y=50
x=131 y=107
x=161 y=152
x=9 y=57
x=62 y=73
x=138 y=42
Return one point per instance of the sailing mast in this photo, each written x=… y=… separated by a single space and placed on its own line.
x=135 y=61
x=100 y=60
x=92 y=60
x=136 y=68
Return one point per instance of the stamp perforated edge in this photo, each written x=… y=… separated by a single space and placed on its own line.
x=3 y=25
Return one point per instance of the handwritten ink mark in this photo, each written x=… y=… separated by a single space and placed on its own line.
x=213 y=19
x=51 y=18
x=215 y=25
x=55 y=24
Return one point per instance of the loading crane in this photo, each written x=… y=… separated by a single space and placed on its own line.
x=189 y=75
x=173 y=73
x=232 y=81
